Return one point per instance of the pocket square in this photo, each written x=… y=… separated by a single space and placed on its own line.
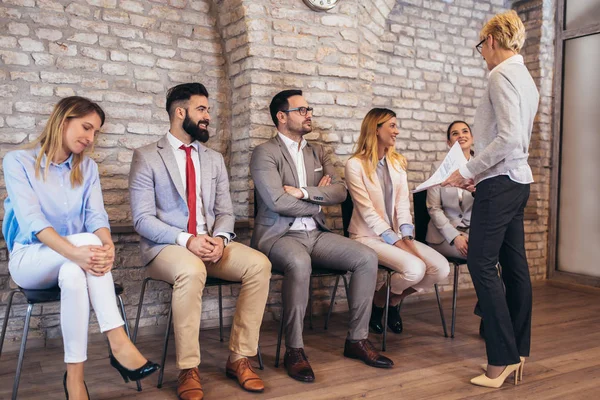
x=319 y=169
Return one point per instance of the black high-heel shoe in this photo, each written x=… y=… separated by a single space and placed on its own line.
x=136 y=374
x=65 y=386
x=394 y=319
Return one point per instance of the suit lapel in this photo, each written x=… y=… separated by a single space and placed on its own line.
x=309 y=164
x=205 y=174
x=166 y=153
x=289 y=159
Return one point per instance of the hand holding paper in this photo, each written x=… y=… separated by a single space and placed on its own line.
x=447 y=173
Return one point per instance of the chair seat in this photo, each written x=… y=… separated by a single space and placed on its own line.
x=457 y=261
x=317 y=272
x=34 y=296
x=210 y=281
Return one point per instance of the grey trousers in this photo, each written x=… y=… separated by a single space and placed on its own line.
x=297 y=252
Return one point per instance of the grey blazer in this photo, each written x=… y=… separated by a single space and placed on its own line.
x=158 y=200
x=446 y=212
x=272 y=167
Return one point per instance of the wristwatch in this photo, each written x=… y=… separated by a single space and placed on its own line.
x=409 y=237
x=225 y=240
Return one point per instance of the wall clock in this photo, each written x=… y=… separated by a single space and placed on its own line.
x=321 y=5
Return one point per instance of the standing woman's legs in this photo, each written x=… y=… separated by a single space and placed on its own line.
x=516 y=278
x=496 y=203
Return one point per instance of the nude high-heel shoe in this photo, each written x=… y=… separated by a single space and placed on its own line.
x=483 y=380
x=484 y=367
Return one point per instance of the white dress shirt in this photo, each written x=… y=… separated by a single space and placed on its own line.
x=180 y=158
x=300 y=223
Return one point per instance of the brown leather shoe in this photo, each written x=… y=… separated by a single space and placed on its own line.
x=296 y=363
x=363 y=350
x=188 y=385
x=245 y=375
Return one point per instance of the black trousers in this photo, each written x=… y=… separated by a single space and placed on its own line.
x=497 y=234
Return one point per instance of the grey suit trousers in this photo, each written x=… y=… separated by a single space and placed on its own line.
x=297 y=252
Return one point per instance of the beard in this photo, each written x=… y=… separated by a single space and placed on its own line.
x=193 y=129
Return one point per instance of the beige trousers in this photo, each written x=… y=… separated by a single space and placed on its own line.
x=411 y=271
x=187 y=273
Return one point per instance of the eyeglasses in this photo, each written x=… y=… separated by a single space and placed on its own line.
x=301 y=110
x=480 y=45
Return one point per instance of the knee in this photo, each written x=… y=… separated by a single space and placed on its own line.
x=192 y=275
x=72 y=278
x=298 y=267
x=414 y=271
x=366 y=258
x=442 y=270
x=86 y=239
x=261 y=266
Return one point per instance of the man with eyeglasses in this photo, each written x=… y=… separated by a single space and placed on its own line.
x=293 y=180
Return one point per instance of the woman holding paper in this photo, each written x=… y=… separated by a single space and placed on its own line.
x=503 y=122
x=450 y=207
x=377 y=181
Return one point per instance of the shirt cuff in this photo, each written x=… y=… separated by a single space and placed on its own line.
x=464 y=171
x=226 y=237
x=390 y=237
x=305 y=193
x=182 y=238
x=407 y=230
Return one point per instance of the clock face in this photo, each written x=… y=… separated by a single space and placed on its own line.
x=321 y=5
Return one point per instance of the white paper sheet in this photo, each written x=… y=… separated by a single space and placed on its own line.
x=453 y=161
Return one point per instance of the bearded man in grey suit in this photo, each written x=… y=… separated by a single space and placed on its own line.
x=182 y=210
x=293 y=180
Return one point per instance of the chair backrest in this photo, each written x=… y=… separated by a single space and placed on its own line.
x=421 y=215
x=347 y=208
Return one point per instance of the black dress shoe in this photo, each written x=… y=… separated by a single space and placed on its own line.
x=296 y=363
x=394 y=320
x=363 y=350
x=136 y=374
x=375 y=323
x=65 y=386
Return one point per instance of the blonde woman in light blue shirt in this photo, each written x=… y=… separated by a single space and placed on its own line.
x=57 y=233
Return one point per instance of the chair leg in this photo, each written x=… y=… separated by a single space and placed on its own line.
x=337 y=281
x=166 y=344
x=220 y=313
x=279 y=335
x=139 y=311
x=261 y=365
x=22 y=351
x=6 y=315
x=437 y=295
x=310 y=303
x=347 y=291
x=454 y=297
x=387 y=308
x=124 y=315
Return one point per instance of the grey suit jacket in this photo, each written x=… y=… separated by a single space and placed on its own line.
x=158 y=199
x=446 y=212
x=272 y=167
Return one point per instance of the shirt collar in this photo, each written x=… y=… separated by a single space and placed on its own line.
x=291 y=144
x=67 y=163
x=176 y=143
x=516 y=59
x=382 y=161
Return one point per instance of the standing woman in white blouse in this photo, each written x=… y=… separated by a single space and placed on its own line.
x=501 y=173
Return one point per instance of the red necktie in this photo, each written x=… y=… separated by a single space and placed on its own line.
x=190 y=190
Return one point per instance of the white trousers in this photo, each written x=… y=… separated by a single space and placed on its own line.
x=37 y=266
x=411 y=271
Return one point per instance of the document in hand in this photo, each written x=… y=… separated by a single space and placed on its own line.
x=453 y=161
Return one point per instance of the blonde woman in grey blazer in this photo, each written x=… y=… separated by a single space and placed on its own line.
x=450 y=207
x=503 y=125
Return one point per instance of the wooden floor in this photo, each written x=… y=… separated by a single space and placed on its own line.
x=565 y=360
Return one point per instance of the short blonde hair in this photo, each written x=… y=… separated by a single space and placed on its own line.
x=507 y=29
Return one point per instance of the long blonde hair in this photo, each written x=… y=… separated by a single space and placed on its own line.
x=366 y=147
x=51 y=139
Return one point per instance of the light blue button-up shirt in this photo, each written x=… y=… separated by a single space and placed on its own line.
x=34 y=204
